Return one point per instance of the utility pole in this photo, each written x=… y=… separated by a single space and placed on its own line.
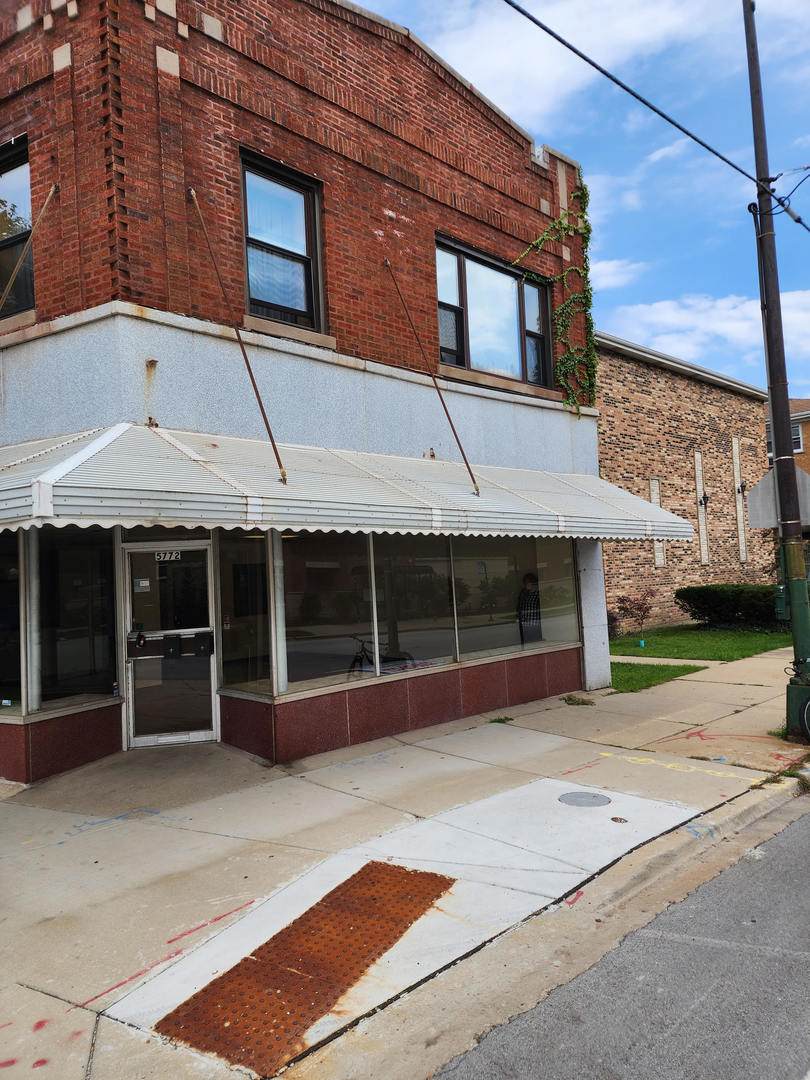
x=790 y=525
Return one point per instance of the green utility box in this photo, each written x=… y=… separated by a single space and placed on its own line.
x=798 y=710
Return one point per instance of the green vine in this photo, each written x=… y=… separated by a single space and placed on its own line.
x=576 y=365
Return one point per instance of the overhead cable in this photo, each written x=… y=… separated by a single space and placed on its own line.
x=762 y=184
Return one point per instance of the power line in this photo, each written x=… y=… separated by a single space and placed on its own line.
x=761 y=184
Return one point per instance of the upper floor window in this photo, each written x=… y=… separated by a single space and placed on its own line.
x=15 y=226
x=281 y=228
x=491 y=319
x=796 y=435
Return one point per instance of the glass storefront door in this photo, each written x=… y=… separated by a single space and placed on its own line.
x=170 y=644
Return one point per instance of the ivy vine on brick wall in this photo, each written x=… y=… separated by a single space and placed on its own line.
x=575 y=368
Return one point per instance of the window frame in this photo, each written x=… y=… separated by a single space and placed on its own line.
x=463 y=253
x=796 y=439
x=13 y=154
x=311 y=190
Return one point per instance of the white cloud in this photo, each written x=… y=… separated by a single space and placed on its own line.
x=803 y=140
x=674 y=149
x=696 y=327
x=615 y=273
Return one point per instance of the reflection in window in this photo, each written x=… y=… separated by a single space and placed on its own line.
x=510 y=594
x=414 y=601
x=244 y=612
x=15 y=226
x=492 y=317
x=513 y=593
x=169 y=594
x=280 y=215
x=9 y=623
x=77 y=612
x=327 y=602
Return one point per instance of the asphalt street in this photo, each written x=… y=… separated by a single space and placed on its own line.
x=717 y=987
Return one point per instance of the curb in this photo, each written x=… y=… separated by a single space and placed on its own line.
x=705 y=830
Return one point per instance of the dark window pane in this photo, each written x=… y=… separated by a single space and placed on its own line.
x=169 y=595
x=276 y=214
x=244 y=612
x=447 y=277
x=15 y=201
x=21 y=297
x=277 y=280
x=327 y=602
x=492 y=318
x=77 y=612
x=536 y=368
x=414 y=601
x=9 y=623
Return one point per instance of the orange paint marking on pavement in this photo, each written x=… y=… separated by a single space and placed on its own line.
x=573 y=899
x=209 y=922
x=579 y=768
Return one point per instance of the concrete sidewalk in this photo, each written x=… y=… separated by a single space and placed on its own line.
x=129 y=885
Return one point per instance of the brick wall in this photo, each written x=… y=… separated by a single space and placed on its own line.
x=402 y=147
x=652 y=422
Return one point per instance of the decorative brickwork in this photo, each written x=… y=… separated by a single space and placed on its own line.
x=161 y=97
x=655 y=424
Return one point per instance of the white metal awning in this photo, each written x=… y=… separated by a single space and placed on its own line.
x=132 y=475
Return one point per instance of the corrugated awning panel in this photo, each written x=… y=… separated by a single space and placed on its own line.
x=137 y=475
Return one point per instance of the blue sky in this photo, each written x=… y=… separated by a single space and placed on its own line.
x=673 y=255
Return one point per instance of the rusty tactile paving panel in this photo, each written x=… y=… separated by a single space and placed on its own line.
x=256 y=1013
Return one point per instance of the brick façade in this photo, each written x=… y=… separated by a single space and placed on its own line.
x=652 y=420
x=403 y=148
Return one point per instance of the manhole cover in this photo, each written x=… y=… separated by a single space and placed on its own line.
x=584 y=798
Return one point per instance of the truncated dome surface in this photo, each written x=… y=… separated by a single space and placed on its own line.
x=256 y=1013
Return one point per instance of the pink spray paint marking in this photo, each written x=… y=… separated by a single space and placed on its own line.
x=39 y=1063
x=124 y=982
x=210 y=922
x=39 y=1025
x=579 y=768
x=573 y=899
x=8 y=1063
x=8 y=1023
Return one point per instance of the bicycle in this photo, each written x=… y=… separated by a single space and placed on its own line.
x=365 y=655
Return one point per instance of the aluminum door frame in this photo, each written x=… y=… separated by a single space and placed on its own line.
x=133 y=741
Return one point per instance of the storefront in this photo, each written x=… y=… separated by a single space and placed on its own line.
x=163 y=587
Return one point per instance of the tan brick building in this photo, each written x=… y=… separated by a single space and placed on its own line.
x=673 y=432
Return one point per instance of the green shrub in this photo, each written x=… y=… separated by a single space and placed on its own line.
x=729 y=605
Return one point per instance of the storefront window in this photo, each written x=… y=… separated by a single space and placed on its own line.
x=76 y=612
x=558 y=592
x=513 y=593
x=244 y=612
x=327 y=603
x=9 y=623
x=414 y=601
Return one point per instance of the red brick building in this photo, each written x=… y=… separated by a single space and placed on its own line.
x=365 y=207
x=692 y=441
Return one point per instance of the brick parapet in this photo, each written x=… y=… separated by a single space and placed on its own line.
x=402 y=146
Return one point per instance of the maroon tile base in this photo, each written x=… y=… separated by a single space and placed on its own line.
x=348 y=717
x=13 y=753
x=311 y=726
x=30 y=752
x=248 y=725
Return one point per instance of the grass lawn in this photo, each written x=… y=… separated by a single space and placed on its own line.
x=698 y=643
x=627 y=678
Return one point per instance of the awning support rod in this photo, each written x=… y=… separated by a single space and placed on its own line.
x=27 y=247
x=429 y=370
x=193 y=195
